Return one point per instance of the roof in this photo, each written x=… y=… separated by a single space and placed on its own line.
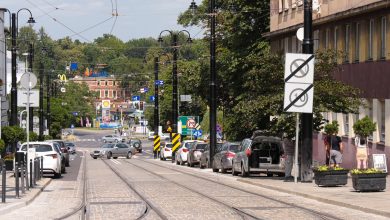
x=267 y=138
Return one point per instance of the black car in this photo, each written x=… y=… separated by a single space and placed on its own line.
x=136 y=143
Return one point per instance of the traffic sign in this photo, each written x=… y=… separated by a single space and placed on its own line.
x=28 y=80
x=197 y=133
x=75 y=113
x=136 y=98
x=298 y=97
x=159 y=82
x=197 y=126
x=22 y=98
x=299 y=68
x=72 y=126
x=151 y=98
x=106 y=104
x=191 y=123
x=63 y=89
x=144 y=90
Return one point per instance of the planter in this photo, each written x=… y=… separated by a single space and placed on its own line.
x=9 y=165
x=331 y=177
x=369 y=182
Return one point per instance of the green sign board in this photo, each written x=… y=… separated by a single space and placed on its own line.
x=187 y=124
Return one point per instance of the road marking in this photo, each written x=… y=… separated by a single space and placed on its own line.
x=115 y=161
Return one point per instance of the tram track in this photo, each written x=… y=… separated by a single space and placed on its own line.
x=320 y=215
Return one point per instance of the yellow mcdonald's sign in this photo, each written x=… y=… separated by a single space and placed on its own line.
x=62 y=77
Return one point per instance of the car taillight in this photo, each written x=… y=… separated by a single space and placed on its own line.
x=230 y=154
x=248 y=152
x=185 y=150
x=52 y=155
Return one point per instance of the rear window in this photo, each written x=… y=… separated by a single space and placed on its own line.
x=38 y=147
x=108 y=146
x=201 y=146
x=234 y=148
x=168 y=146
x=69 y=144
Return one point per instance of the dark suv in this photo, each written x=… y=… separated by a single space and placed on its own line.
x=136 y=143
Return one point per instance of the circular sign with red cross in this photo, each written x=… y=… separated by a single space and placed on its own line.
x=191 y=123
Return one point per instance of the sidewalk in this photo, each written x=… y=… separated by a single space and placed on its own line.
x=370 y=202
x=11 y=202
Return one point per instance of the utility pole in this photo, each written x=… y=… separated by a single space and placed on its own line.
x=48 y=113
x=156 y=115
x=14 y=107
x=174 y=85
x=307 y=118
x=41 y=71
x=213 y=91
x=30 y=69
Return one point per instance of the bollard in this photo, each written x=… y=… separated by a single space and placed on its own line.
x=41 y=166
x=22 y=176
x=35 y=172
x=31 y=176
x=26 y=172
x=3 y=184
x=173 y=157
x=17 y=178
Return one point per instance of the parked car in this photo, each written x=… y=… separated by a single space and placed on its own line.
x=51 y=157
x=166 y=151
x=223 y=158
x=114 y=150
x=151 y=136
x=205 y=157
x=195 y=152
x=165 y=136
x=64 y=150
x=262 y=154
x=182 y=152
x=136 y=143
x=71 y=147
x=113 y=138
x=63 y=159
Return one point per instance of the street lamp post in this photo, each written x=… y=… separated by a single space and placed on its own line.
x=41 y=72
x=14 y=29
x=156 y=115
x=307 y=118
x=175 y=106
x=48 y=113
x=30 y=69
x=213 y=78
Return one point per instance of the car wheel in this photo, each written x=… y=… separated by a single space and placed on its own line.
x=95 y=158
x=115 y=157
x=270 y=174
x=243 y=172
x=109 y=154
x=129 y=155
x=215 y=170
x=57 y=175
x=201 y=165
x=136 y=145
x=104 y=140
x=234 y=172
x=116 y=141
x=177 y=162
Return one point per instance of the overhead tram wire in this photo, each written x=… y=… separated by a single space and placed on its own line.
x=93 y=26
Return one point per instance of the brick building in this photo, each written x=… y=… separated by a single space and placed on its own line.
x=360 y=29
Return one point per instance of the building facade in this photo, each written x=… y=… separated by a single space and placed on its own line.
x=361 y=31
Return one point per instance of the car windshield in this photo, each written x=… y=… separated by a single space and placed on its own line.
x=201 y=146
x=108 y=146
x=189 y=144
x=168 y=146
x=234 y=148
x=69 y=144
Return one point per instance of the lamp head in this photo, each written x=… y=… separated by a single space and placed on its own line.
x=31 y=21
x=193 y=7
x=189 y=40
x=160 y=39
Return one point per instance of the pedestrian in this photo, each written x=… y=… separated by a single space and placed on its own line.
x=336 y=150
x=327 y=150
x=289 y=150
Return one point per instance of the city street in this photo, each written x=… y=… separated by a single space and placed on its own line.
x=142 y=187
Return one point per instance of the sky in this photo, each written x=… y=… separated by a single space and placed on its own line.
x=88 y=19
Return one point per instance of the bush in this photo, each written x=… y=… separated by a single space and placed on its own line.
x=2 y=147
x=47 y=137
x=332 y=128
x=12 y=134
x=364 y=127
x=55 y=130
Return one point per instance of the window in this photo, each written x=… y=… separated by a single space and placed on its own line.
x=370 y=38
x=106 y=93
x=357 y=42
x=383 y=37
x=316 y=34
x=335 y=36
x=281 y=6
x=286 y=5
x=383 y=122
x=114 y=94
x=346 y=43
x=106 y=82
x=346 y=124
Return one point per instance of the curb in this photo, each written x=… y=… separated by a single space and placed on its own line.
x=320 y=199
x=22 y=204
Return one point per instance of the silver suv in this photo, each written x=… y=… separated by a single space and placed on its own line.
x=262 y=154
x=113 y=138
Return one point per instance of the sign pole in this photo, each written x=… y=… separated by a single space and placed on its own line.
x=296 y=149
